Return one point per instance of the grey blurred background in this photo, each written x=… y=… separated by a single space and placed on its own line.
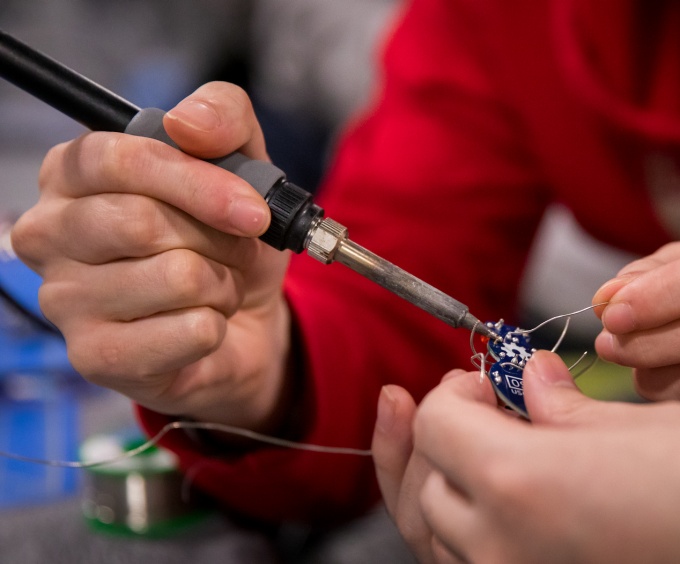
x=308 y=64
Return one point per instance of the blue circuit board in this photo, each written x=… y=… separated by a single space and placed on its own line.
x=510 y=354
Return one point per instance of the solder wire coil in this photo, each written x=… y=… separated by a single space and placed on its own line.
x=137 y=496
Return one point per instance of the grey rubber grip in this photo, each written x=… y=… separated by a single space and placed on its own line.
x=260 y=175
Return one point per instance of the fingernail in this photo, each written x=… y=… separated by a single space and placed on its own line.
x=248 y=216
x=386 y=410
x=618 y=318
x=549 y=368
x=195 y=114
x=611 y=287
x=621 y=279
x=608 y=283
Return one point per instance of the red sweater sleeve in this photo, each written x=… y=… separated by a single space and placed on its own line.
x=431 y=179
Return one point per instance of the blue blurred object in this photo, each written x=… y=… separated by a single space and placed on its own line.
x=26 y=343
x=39 y=392
x=19 y=285
x=38 y=419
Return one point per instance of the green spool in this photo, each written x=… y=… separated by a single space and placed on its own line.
x=139 y=496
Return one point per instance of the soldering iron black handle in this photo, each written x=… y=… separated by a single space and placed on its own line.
x=62 y=88
x=293 y=211
x=90 y=104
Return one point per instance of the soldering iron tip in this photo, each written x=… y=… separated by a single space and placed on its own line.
x=476 y=326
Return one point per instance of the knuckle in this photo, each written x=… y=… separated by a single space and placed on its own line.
x=107 y=366
x=127 y=225
x=118 y=158
x=184 y=274
x=204 y=328
x=237 y=97
x=241 y=99
x=229 y=100
x=28 y=238
x=50 y=302
x=140 y=224
x=118 y=162
x=236 y=107
x=82 y=350
x=50 y=163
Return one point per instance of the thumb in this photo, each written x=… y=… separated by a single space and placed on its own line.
x=393 y=441
x=551 y=395
x=217 y=119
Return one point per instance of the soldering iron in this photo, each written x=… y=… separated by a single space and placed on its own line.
x=297 y=223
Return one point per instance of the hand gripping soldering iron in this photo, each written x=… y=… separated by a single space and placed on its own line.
x=297 y=223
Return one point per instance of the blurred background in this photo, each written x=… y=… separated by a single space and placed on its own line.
x=308 y=65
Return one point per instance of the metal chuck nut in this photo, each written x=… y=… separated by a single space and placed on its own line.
x=325 y=240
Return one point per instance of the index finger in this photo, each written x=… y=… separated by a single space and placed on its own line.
x=113 y=162
x=649 y=301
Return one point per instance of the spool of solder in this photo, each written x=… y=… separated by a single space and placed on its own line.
x=138 y=496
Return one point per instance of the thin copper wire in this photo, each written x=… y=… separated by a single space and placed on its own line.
x=586 y=367
x=190 y=425
x=479 y=360
x=580 y=358
x=561 y=337
x=558 y=317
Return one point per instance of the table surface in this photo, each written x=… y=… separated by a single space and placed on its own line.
x=57 y=533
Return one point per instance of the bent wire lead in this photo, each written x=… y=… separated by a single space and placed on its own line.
x=504 y=361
